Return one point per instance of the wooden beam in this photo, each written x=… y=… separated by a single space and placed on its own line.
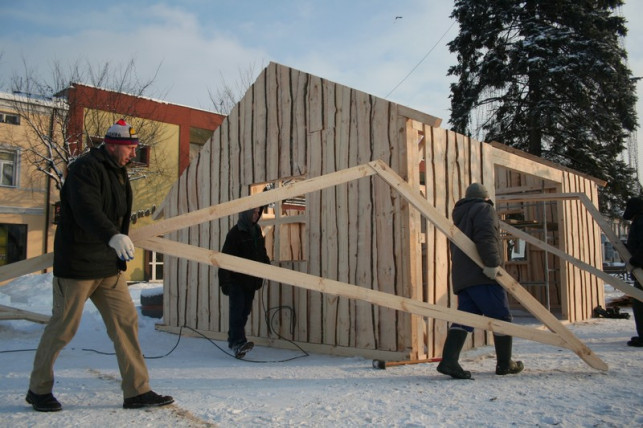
x=615 y=240
x=264 y=198
x=605 y=227
x=427 y=119
x=23 y=267
x=614 y=281
x=325 y=285
x=468 y=247
x=9 y=313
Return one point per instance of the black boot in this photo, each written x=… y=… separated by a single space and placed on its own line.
x=505 y=365
x=637 y=309
x=451 y=353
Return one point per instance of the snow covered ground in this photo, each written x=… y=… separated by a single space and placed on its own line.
x=271 y=388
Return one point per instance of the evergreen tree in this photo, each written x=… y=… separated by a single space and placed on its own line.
x=548 y=77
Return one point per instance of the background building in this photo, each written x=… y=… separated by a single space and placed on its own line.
x=78 y=118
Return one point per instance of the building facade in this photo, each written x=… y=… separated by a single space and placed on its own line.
x=170 y=136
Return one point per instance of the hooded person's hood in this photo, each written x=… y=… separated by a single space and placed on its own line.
x=633 y=207
x=245 y=219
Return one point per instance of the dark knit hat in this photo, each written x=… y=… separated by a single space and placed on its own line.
x=476 y=190
x=121 y=133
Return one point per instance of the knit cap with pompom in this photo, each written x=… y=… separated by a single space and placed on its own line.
x=121 y=133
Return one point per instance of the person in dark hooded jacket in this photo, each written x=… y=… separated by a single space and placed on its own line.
x=477 y=290
x=245 y=240
x=634 y=212
x=91 y=247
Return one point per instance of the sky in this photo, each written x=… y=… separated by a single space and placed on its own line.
x=288 y=388
x=392 y=49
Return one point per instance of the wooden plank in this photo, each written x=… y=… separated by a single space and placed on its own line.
x=430 y=284
x=171 y=269
x=329 y=235
x=612 y=280
x=298 y=146
x=183 y=236
x=413 y=230
x=364 y=328
x=215 y=230
x=325 y=285
x=9 y=313
x=315 y=125
x=258 y=162
x=576 y=293
x=231 y=207
x=381 y=364
x=279 y=163
x=441 y=264
x=267 y=129
x=353 y=213
x=384 y=268
x=342 y=159
x=284 y=120
x=488 y=174
x=300 y=142
x=328 y=210
x=23 y=267
x=524 y=165
x=192 y=284
x=512 y=286
x=204 y=175
x=419 y=116
x=400 y=153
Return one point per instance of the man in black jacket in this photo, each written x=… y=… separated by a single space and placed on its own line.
x=245 y=240
x=476 y=287
x=634 y=212
x=90 y=250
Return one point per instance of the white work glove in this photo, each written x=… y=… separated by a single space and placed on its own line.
x=491 y=272
x=123 y=246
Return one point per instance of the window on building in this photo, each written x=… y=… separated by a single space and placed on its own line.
x=284 y=224
x=10 y=118
x=8 y=167
x=13 y=243
x=142 y=156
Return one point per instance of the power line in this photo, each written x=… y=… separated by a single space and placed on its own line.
x=421 y=61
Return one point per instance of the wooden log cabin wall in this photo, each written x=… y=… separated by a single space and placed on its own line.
x=291 y=125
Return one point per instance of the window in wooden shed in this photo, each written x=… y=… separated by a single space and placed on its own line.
x=284 y=223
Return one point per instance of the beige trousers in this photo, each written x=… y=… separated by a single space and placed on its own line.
x=112 y=299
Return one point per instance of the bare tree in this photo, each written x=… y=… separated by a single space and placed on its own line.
x=61 y=131
x=227 y=95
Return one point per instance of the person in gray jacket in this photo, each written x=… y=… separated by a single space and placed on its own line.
x=477 y=290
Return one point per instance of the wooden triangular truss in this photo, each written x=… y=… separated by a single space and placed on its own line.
x=148 y=237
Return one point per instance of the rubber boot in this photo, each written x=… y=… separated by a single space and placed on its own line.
x=451 y=353
x=505 y=365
